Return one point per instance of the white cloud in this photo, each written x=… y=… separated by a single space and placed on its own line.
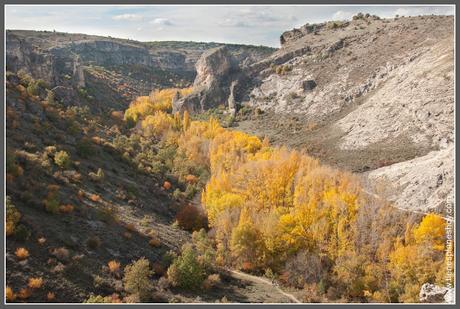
x=342 y=15
x=232 y=22
x=128 y=17
x=162 y=21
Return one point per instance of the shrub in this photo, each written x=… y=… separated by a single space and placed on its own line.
x=52 y=202
x=190 y=218
x=9 y=294
x=114 y=266
x=22 y=253
x=62 y=159
x=66 y=209
x=155 y=242
x=93 y=242
x=192 y=179
x=85 y=148
x=131 y=227
x=22 y=233
x=167 y=185
x=95 y=198
x=35 y=283
x=186 y=272
x=50 y=97
x=212 y=281
x=12 y=217
x=95 y=299
x=50 y=296
x=61 y=254
x=24 y=293
x=137 y=279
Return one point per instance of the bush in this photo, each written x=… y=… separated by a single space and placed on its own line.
x=21 y=233
x=190 y=218
x=137 y=279
x=52 y=202
x=66 y=209
x=62 y=159
x=114 y=266
x=35 y=283
x=9 y=294
x=93 y=242
x=211 y=282
x=85 y=148
x=12 y=217
x=186 y=272
x=98 y=299
x=21 y=253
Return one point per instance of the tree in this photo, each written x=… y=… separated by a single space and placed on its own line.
x=246 y=245
x=186 y=121
x=186 y=272
x=137 y=279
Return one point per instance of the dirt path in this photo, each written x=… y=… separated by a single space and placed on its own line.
x=240 y=275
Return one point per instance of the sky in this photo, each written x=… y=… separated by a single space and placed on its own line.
x=252 y=24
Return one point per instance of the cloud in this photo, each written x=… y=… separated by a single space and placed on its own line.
x=162 y=21
x=128 y=17
x=342 y=15
x=235 y=22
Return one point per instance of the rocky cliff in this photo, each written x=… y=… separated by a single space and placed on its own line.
x=127 y=68
x=368 y=93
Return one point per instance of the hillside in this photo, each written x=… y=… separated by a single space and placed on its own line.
x=125 y=68
x=366 y=94
x=185 y=172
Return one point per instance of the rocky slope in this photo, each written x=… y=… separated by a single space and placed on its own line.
x=127 y=68
x=365 y=94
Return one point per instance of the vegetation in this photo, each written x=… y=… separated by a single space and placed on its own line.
x=157 y=101
x=62 y=159
x=136 y=279
x=186 y=271
x=279 y=209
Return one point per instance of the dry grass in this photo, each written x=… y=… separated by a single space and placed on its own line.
x=22 y=253
x=35 y=283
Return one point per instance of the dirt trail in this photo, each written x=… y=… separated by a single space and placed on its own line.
x=240 y=275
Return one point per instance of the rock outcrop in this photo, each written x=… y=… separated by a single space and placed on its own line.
x=376 y=88
x=430 y=293
x=216 y=82
x=127 y=68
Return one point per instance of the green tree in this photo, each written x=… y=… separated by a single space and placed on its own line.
x=137 y=279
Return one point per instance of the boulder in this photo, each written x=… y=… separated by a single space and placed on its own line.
x=430 y=293
x=308 y=85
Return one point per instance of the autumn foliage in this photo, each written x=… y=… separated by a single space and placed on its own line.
x=280 y=209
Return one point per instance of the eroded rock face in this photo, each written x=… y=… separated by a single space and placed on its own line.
x=373 y=86
x=216 y=82
x=430 y=293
